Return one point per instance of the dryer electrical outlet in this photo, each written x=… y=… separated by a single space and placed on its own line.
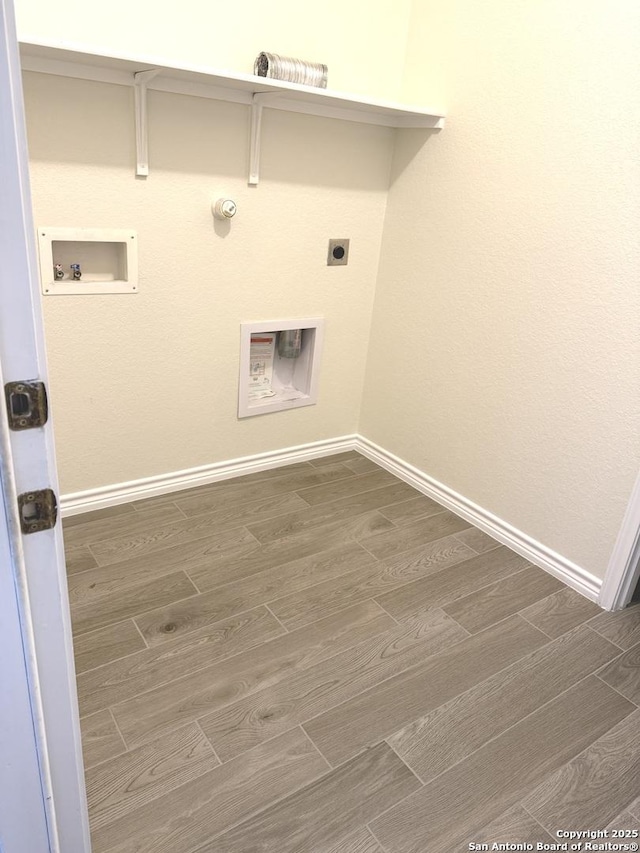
x=338 y=255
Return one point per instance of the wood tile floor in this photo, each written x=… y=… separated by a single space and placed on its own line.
x=317 y=659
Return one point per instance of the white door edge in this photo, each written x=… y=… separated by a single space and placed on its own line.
x=37 y=560
x=623 y=570
x=23 y=680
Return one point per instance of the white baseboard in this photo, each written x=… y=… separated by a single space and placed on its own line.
x=557 y=565
x=566 y=571
x=148 y=487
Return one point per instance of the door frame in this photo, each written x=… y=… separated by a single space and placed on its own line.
x=36 y=567
x=27 y=816
x=623 y=571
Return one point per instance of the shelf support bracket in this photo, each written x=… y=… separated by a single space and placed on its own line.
x=257 y=103
x=140 y=80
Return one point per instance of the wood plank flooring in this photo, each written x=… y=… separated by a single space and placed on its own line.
x=318 y=659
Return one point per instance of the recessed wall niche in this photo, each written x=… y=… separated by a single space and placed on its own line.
x=88 y=260
x=272 y=376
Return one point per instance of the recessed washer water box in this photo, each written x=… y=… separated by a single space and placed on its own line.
x=88 y=260
x=273 y=382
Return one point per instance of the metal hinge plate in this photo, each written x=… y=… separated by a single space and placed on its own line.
x=38 y=510
x=26 y=404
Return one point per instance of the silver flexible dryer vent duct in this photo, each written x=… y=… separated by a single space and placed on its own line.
x=291 y=70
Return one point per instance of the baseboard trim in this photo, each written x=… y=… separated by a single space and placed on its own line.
x=148 y=487
x=569 y=573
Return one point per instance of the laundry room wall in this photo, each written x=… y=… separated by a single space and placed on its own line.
x=505 y=352
x=146 y=384
x=363 y=42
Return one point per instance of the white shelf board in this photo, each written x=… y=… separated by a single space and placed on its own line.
x=148 y=72
x=69 y=60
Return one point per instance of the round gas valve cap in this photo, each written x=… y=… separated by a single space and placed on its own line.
x=224 y=208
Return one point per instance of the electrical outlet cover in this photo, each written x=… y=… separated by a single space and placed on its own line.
x=338 y=255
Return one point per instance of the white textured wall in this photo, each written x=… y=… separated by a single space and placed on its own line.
x=362 y=41
x=505 y=352
x=504 y=358
x=146 y=384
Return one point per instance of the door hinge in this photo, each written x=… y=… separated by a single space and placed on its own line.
x=38 y=510
x=27 y=405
